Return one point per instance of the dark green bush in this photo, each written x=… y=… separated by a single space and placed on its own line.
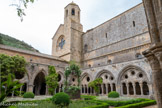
x=88 y=97
x=100 y=104
x=113 y=94
x=122 y=103
x=139 y=105
x=28 y=95
x=61 y=99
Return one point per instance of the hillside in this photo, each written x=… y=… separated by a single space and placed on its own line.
x=10 y=41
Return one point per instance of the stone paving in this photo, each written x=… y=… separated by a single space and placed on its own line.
x=27 y=99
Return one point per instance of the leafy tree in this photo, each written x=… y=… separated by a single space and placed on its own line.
x=96 y=85
x=73 y=69
x=8 y=87
x=16 y=65
x=10 y=67
x=52 y=80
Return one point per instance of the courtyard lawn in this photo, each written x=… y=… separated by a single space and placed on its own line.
x=49 y=104
x=114 y=99
x=88 y=101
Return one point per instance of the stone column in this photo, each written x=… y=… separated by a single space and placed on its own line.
x=121 y=89
x=59 y=88
x=46 y=90
x=20 y=90
x=102 y=88
x=134 y=88
x=111 y=85
x=141 y=86
x=30 y=87
x=90 y=90
x=153 y=12
x=13 y=94
x=127 y=85
x=81 y=89
x=106 y=88
x=84 y=89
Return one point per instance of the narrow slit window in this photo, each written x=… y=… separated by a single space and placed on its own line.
x=106 y=35
x=134 y=24
x=66 y=13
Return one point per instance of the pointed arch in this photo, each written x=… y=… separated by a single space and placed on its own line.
x=131 y=67
x=102 y=72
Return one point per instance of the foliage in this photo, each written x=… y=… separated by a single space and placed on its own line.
x=88 y=97
x=1 y=42
x=61 y=99
x=122 y=103
x=100 y=104
x=95 y=84
x=28 y=95
x=52 y=80
x=73 y=69
x=49 y=104
x=72 y=89
x=16 y=65
x=10 y=41
x=113 y=94
x=139 y=105
x=21 y=5
x=8 y=87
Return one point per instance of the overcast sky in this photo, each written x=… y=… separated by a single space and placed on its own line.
x=44 y=17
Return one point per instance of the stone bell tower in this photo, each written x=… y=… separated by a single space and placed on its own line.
x=67 y=42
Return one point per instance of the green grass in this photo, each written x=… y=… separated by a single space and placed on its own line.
x=49 y=104
x=12 y=42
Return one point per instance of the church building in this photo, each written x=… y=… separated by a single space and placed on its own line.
x=111 y=51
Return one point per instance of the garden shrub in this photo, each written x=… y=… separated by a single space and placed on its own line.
x=100 y=104
x=28 y=95
x=88 y=97
x=139 y=105
x=113 y=94
x=122 y=103
x=61 y=99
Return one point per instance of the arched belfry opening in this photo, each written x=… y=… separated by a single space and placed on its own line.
x=73 y=11
x=39 y=84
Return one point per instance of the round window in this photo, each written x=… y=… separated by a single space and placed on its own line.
x=126 y=76
x=88 y=79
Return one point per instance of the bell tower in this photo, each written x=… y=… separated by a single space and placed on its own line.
x=72 y=12
x=71 y=32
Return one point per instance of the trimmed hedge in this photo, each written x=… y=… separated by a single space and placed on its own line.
x=139 y=105
x=113 y=94
x=100 y=104
x=28 y=95
x=88 y=97
x=61 y=99
x=122 y=103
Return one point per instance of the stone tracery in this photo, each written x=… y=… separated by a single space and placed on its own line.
x=133 y=81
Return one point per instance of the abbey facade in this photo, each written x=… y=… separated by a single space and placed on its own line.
x=112 y=51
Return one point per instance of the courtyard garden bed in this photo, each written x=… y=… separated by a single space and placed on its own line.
x=87 y=101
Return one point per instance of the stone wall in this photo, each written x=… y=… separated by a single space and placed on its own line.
x=37 y=68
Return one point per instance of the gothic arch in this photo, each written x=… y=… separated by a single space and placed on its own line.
x=129 y=68
x=109 y=82
x=85 y=79
x=39 y=84
x=131 y=80
x=84 y=75
x=103 y=72
x=36 y=73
